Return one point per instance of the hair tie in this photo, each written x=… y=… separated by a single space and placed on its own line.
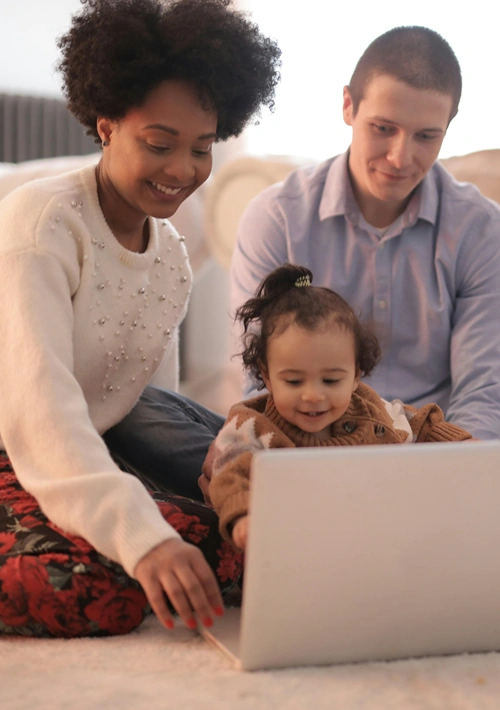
x=303 y=281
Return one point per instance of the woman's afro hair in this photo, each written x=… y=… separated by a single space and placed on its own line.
x=117 y=51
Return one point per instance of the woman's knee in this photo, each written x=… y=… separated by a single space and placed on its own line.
x=54 y=595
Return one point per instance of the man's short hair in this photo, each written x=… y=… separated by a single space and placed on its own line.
x=418 y=56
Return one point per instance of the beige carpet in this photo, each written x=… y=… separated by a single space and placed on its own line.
x=151 y=669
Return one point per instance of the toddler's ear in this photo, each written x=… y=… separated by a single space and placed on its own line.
x=357 y=379
x=265 y=375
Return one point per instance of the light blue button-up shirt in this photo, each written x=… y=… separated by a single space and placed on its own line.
x=429 y=286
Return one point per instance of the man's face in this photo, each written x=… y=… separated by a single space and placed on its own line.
x=397 y=133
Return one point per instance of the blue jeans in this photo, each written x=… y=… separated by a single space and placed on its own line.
x=164 y=441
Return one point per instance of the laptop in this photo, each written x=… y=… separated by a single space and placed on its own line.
x=368 y=553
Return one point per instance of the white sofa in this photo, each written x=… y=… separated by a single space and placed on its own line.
x=209 y=220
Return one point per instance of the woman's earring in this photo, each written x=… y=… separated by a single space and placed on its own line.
x=105 y=144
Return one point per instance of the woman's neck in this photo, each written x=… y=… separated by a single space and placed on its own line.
x=129 y=229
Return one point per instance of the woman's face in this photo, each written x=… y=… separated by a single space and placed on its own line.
x=158 y=154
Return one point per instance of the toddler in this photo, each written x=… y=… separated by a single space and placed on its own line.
x=308 y=348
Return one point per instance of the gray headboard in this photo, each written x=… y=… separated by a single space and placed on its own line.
x=33 y=127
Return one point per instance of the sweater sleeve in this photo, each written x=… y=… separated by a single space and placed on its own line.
x=428 y=424
x=245 y=432
x=56 y=451
x=167 y=375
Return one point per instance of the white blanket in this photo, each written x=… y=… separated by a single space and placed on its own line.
x=152 y=669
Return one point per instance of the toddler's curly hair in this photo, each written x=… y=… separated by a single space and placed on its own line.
x=285 y=297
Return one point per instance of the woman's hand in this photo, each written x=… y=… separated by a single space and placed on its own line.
x=179 y=570
x=240 y=532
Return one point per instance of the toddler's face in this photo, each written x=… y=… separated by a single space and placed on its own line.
x=312 y=375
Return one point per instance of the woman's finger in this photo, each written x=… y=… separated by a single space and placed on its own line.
x=195 y=593
x=156 y=597
x=209 y=585
x=178 y=596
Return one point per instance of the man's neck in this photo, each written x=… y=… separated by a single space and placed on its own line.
x=377 y=213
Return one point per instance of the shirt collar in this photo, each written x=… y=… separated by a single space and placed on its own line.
x=429 y=196
x=338 y=197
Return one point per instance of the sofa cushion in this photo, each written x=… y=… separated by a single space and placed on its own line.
x=13 y=175
x=482 y=168
x=231 y=189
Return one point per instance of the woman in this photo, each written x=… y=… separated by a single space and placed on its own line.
x=95 y=284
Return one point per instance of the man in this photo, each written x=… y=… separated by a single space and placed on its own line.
x=414 y=252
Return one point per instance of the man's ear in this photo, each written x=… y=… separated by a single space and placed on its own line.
x=347 y=107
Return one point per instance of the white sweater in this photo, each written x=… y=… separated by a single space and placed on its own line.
x=84 y=326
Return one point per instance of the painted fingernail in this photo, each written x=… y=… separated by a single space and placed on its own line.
x=169 y=624
x=218 y=610
x=191 y=623
x=208 y=622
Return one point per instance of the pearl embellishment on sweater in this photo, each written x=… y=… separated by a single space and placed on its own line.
x=120 y=330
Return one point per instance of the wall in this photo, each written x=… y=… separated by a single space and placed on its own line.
x=321 y=45
x=28 y=51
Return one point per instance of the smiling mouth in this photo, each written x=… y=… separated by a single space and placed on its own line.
x=390 y=176
x=166 y=190
x=313 y=414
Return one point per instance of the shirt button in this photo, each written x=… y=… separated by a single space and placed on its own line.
x=382 y=304
x=381 y=246
x=379 y=430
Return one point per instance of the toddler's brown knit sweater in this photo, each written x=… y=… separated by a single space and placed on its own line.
x=255 y=424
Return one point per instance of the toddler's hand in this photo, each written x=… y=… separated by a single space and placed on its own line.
x=240 y=532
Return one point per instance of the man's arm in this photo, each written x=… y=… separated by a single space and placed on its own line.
x=475 y=339
x=260 y=248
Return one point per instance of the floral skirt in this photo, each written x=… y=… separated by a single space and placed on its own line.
x=55 y=584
